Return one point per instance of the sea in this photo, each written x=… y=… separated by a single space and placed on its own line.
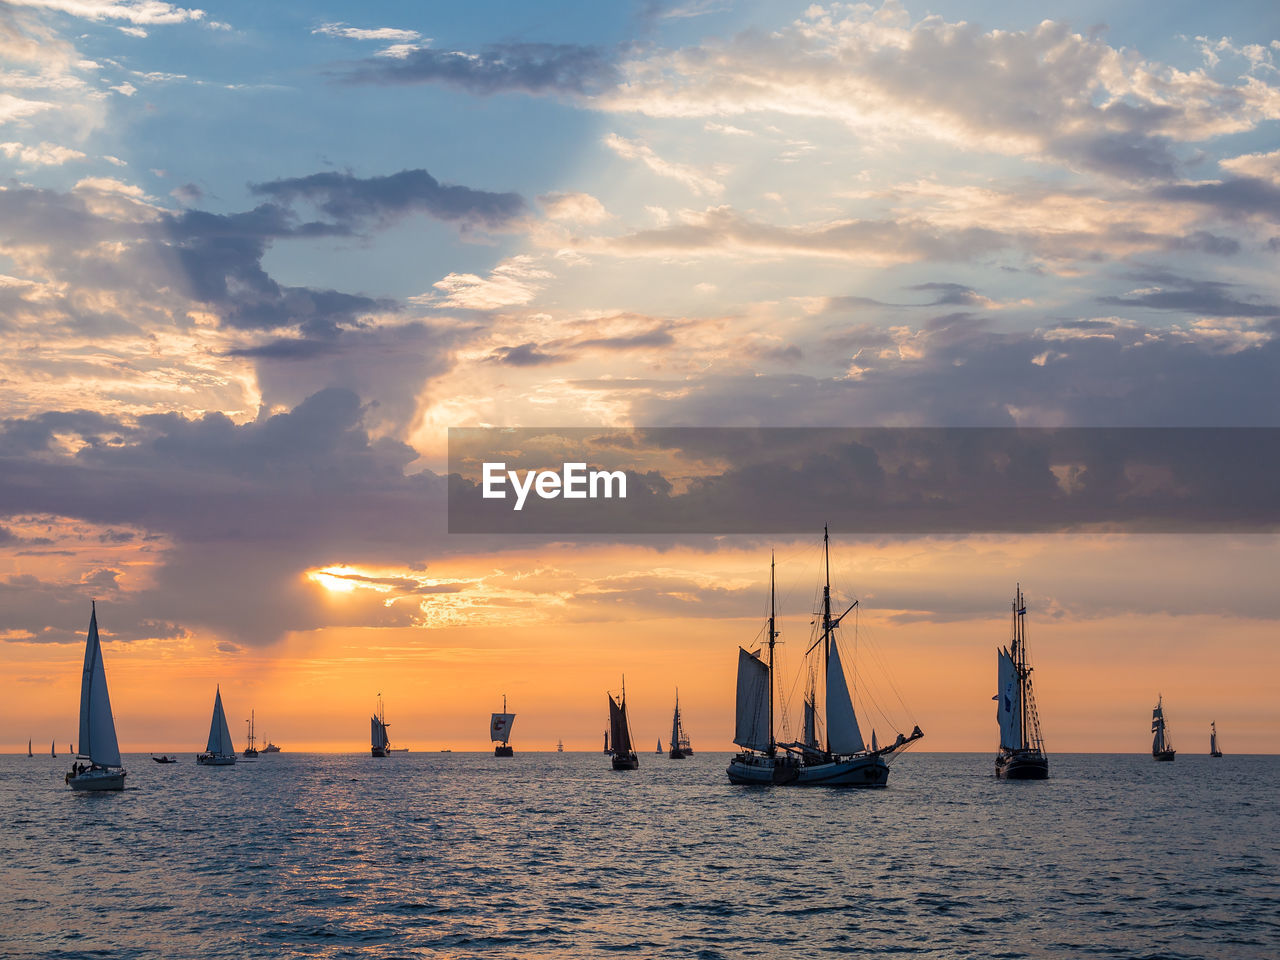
x=555 y=855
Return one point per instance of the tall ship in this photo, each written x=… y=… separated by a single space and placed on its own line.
x=680 y=746
x=624 y=756
x=1021 y=755
x=1214 y=750
x=500 y=730
x=1161 y=742
x=839 y=757
x=98 y=743
x=379 y=742
x=251 y=750
x=220 y=751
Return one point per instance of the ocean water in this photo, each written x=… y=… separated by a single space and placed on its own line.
x=556 y=855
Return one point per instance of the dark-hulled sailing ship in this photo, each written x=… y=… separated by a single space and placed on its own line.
x=680 y=745
x=1161 y=742
x=379 y=739
x=842 y=759
x=1021 y=755
x=624 y=755
x=500 y=725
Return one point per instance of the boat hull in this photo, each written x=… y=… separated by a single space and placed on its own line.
x=379 y=752
x=95 y=780
x=1164 y=755
x=503 y=750
x=1022 y=766
x=251 y=753
x=215 y=760
x=757 y=770
x=630 y=762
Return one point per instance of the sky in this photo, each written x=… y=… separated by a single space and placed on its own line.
x=255 y=261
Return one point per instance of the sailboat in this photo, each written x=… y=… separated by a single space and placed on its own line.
x=559 y=746
x=29 y=753
x=1213 y=739
x=607 y=748
x=53 y=749
x=98 y=742
x=220 y=751
x=680 y=746
x=500 y=730
x=1161 y=743
x=251 y=750
x=1021 y=755
x=624 y=757
x=658 y=751
x=843 y=760
x=379 y=742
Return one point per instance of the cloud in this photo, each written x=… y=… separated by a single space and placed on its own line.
x=573 y=207
x=1211 y=298
x=352 y=201
x=44 y=155
x=367 y=33
x=525 y=355
x=513 y=282
x=535 y=68
x=134 y=11
x=688 y=176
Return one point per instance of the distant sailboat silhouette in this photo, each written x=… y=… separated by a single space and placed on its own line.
x=624 y=757
x=251 y=750
x=53 y=749
x=680 y=746
x=1213 y=740
x=559 y=746
x=98 y=742
x=658 y=751
x=607 y=748
x=1021 y=755
x=379 y=742
x=219 y=751
x=500 y=730
x=1161 y=743
x=29 y=753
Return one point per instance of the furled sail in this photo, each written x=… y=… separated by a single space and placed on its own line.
x=500 y=727
x=843 y=734
x=619 y=736
x=811 y=724
x=97 y=728
x=219 y=735
x=752 y=727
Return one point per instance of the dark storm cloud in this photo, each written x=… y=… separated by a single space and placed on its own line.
x=537 y=68
x=1202 y=297
x=1202 y=241
x=352 y=201
x=525 y=355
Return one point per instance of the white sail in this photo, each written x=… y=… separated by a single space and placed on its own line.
x=752 y=726
x=377 y=733
x=1008 y=704
x=97 y=728
x=843 y=735
x=219 y=735
x=500 y=727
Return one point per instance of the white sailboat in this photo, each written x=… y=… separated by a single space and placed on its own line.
x=379 y=741
x=843 y=760
x=1161 y=742
x=98 y=742
x=500 y=730
x=220 y=751
x=1021 y=755
x=1213 y=739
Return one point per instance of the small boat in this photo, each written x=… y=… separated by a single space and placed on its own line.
x=165 y=758
x=624 y=757
x=607 y=749
x=844 y=760
x=270 y=747
x=1161 y=743
x=53 y=749
x=29 y=753
x=680 y=746
x=98 y=742
x=1213 y=740
x=379 y=742
x=251 y=750
x=500 y=730
x=559 y=746
x=659 y=750
x=1021 y=755
x=220 y=751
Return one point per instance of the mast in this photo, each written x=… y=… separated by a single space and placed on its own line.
x=773 y=636
x=1020 y=658
x=826 y=615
